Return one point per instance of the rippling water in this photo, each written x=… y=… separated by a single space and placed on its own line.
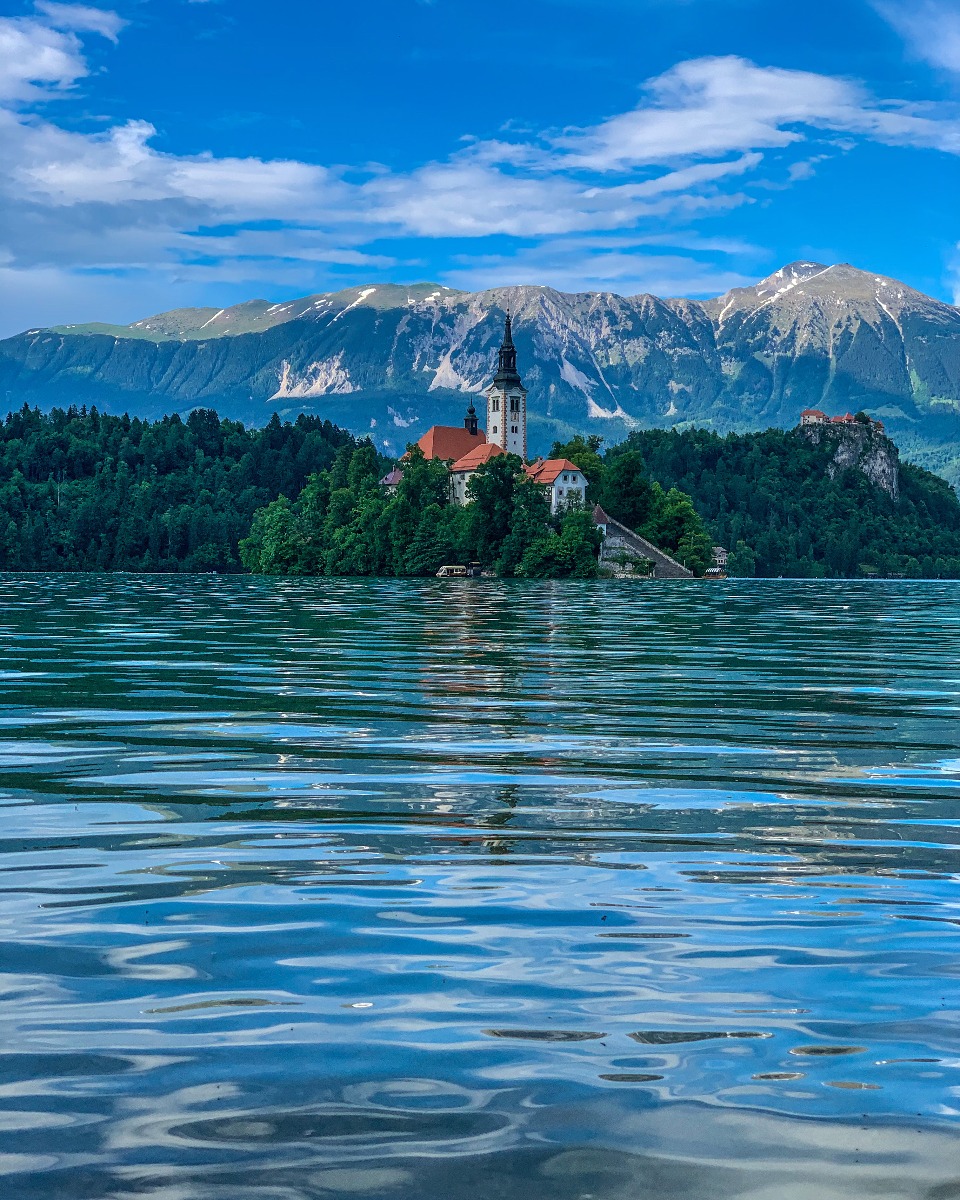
x=475 y=890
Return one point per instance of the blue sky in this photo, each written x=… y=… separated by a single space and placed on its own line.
x=164 y=153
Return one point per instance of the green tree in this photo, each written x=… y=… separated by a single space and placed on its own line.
x=273 y=547
x=742 y=561
x=490 y=511
x=571 y=553
x=626 y=493
x=675 y=525
x=529 y=522
x=432 y=544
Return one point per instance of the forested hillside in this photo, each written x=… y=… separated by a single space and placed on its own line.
x=83 y=491
x=80 y=491
x=778 y=501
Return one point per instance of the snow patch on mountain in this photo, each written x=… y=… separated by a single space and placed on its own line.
x=359 y=300
x=325 y=378
x=458 y=378
x=446 y=376
x=606 y=414
x=576 y=378
x=402 y=422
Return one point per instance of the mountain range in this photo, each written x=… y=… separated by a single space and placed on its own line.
x=390 y=360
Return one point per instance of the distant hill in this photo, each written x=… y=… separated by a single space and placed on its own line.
x=390 y=360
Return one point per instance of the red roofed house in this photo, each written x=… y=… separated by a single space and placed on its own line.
x=813 y=416
x=451 y=442
x=464 y=468
x=447 y=442
x=566 y=483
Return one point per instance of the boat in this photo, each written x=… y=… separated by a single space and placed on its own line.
x=459 y=571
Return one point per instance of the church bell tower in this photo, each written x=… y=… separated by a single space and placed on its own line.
x=507 y=401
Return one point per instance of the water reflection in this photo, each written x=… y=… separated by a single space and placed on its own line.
x=328 y=888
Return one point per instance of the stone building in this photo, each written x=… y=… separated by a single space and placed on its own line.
x=813 y=416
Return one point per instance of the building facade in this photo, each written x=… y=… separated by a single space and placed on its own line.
x=507 y=401
x=465 y=468
x=563 y=481
x=813 y=416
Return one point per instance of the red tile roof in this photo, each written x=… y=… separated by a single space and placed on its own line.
x=450 y=442
x=547 y=470
x=477 y=457
x=813 y=412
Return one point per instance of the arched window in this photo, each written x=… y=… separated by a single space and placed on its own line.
x=514 y=403
x=495 y=406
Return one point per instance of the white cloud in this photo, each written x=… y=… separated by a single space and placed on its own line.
x=931 y=28
x=81 y=18
x=35 y=59
x=62 y=167
x=706 y=133
x=708 y=107
x=713 y=106
x=602 y=265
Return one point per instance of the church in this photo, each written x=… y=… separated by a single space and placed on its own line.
x=467 y=448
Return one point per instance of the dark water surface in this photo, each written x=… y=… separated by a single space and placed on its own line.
x=467 y=890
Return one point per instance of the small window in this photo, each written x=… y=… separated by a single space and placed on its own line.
x=494 y=429
x=495 y=407
x=514 y=429
x=514 y=403
x=566 y=479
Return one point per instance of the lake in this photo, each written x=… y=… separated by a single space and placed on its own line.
x=478 y=889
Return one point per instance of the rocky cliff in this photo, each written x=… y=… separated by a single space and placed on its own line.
x=862 y=448
x=391 y=360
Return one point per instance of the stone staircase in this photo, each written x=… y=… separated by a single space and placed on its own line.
x=623 y=552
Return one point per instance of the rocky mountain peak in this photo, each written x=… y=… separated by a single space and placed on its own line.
x=391 y=359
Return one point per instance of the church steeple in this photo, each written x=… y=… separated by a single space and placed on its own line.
x=470 y=422
x=507 y=374
x=507 y=400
